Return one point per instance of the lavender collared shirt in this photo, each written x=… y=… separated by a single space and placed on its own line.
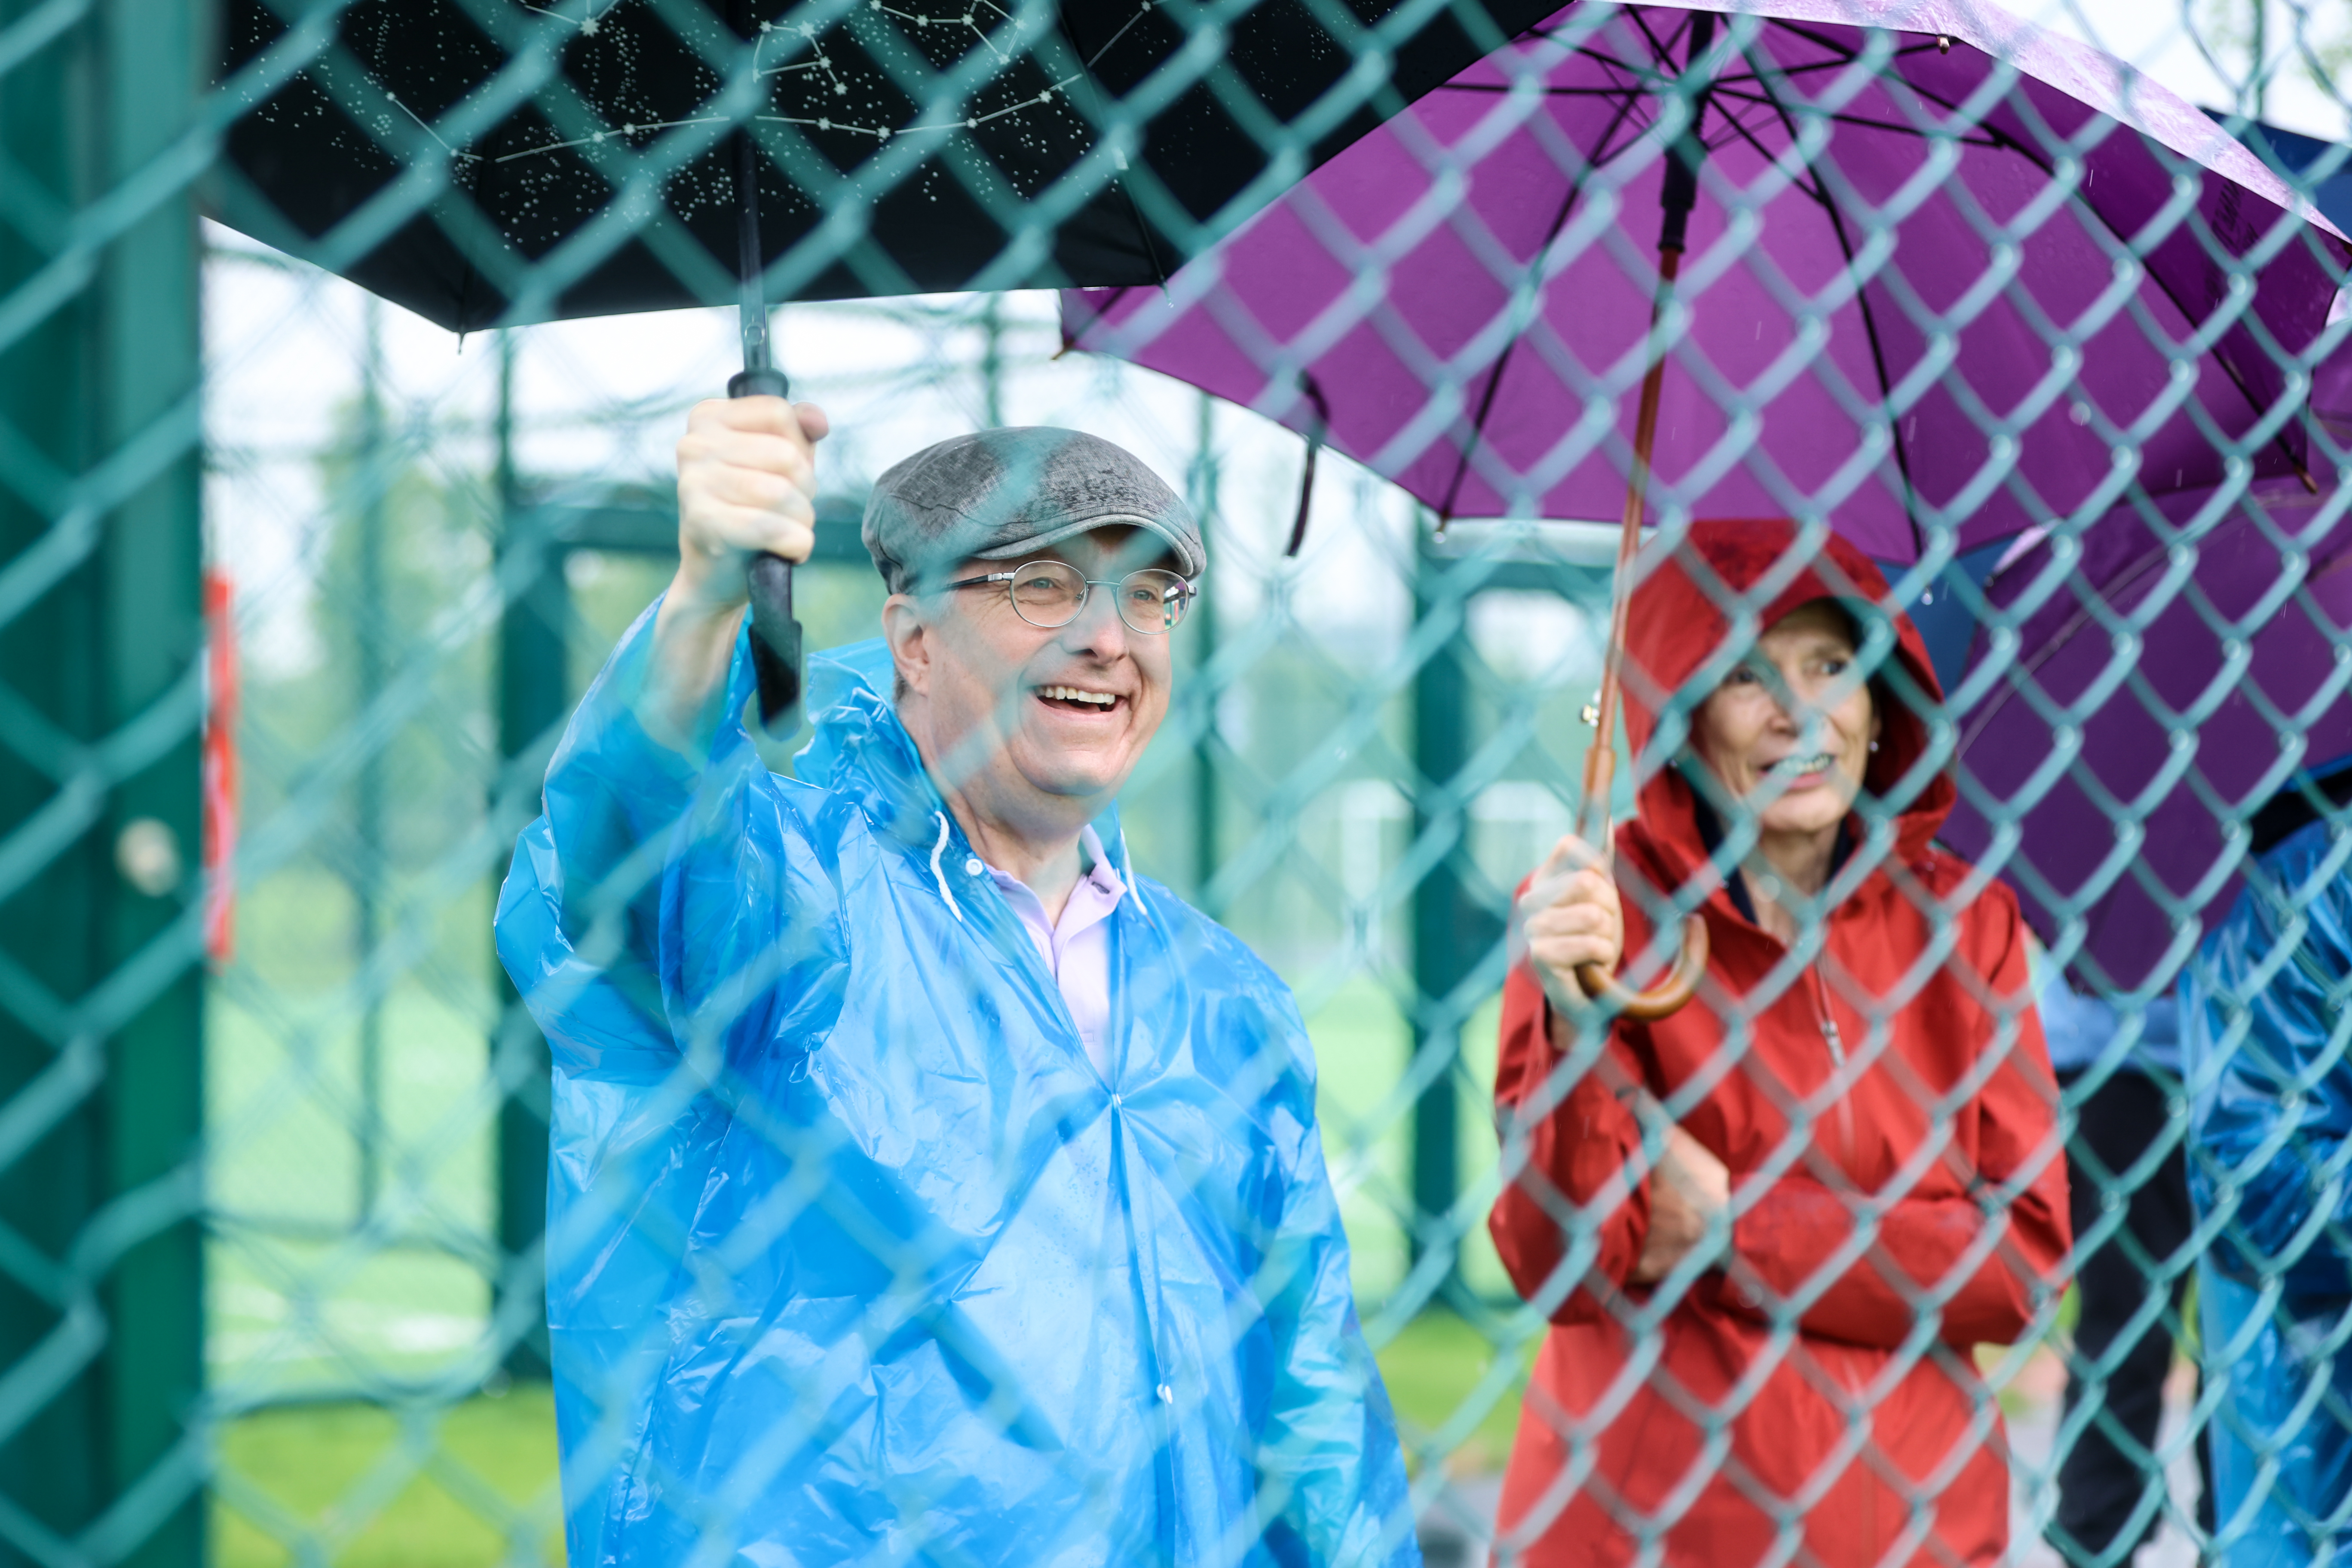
x=1077 y=950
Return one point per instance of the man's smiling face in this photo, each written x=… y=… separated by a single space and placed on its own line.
x=1036 y=718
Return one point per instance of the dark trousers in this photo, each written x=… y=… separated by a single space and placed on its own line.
x=2103 y=1477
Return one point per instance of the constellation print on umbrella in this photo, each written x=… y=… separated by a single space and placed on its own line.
x=904 y=145
x=847 y=95
x=590 y=17
x=970 y=20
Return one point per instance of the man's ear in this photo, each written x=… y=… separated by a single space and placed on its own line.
x=904 y=628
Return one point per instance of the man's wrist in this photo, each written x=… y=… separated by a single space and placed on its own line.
x=694 y=647
x=687 y=606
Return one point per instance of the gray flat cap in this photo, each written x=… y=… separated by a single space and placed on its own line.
x=997 y=494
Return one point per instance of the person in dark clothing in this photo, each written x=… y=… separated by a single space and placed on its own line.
x=2120 y=1069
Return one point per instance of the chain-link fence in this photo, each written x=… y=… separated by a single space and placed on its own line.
x=763 y=1190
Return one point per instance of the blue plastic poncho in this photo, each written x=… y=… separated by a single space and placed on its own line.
x=2266 y=1027
x=853 y=1253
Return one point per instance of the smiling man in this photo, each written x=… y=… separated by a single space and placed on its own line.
x=928 y=1186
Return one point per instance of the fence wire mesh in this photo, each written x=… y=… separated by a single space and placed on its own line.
x=782 y=1183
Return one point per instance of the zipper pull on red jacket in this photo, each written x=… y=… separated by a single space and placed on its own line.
x=1829 y=1019
x=1837 y=1043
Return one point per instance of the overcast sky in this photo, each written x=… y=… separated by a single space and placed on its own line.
x=2163 y=37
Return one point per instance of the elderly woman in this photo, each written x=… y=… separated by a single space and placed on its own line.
x=1764 y=1308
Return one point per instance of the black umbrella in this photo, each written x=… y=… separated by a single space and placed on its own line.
x=493 y=162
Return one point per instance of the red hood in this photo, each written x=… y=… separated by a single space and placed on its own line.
x=1677 y=626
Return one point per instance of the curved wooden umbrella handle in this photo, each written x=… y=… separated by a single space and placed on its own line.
x=1662 y=999
x=1676 y=197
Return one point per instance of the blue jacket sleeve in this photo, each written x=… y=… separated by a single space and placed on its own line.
x=2266 y=1028
x=1331 y=1436
x=573 y=922
x=641 y=931
x=671 y=903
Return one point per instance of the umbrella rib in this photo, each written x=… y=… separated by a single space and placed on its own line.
x=1812 y=67
x=470 y=274
x=1662 y=58
x=1134 y=211
x=1633 y=93
x=1602 y=156
x=1861 y=300
x=2106 y=592
x=2002 y=141
x=1503 y=88
x=1601 y=58
x=1991 y=140
x=1846 y=56
x=1843 y=55
x=1738 y=130
x=1810 y=186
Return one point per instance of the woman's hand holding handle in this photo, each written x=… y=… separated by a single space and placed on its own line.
x=1574 y=927
x=1570 y=918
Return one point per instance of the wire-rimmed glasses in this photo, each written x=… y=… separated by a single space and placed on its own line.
x=1052 y=594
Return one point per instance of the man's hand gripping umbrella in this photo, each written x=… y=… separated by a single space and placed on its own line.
x=768 y=575
x=746 y=507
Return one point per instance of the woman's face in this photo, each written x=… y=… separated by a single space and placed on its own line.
x=1789 y=732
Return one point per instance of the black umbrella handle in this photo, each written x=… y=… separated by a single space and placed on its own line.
x=775 y=634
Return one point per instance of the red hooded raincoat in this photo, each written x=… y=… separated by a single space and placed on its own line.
x=1900 y=1075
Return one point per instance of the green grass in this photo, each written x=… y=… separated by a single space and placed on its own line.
x=1440 y=1372
x=298 y=1301
x=475 y=1484
x=359 y=1486
x=1361 y=1046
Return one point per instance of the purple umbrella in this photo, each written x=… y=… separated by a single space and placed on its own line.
x=1953 y=271
x=2167 y=681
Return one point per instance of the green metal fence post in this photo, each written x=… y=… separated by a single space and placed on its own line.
x=1447 y=929
x=101 y=1325
x=533 y=693
x=371 y=474
x=992 y=362
x=1202 y=483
